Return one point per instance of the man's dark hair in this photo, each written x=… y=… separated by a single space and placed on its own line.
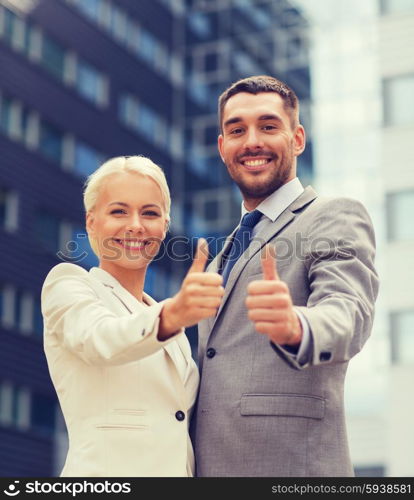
x=257 y=84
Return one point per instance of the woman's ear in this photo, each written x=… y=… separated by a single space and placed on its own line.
x=90 y=223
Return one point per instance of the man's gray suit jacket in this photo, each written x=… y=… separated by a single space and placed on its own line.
x=259 y=412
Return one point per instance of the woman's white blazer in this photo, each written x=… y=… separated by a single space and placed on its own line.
x=126 y=397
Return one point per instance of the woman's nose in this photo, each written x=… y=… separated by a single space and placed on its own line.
x=135 y=224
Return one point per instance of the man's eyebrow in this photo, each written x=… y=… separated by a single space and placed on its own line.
x=238 y=119
x=230 y=121
x=270 y=116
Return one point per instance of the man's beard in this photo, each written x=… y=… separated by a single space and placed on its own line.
x=262 y=189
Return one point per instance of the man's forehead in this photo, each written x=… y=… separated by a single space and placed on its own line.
x=246 y=103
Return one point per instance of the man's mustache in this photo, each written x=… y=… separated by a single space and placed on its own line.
x=254 y=154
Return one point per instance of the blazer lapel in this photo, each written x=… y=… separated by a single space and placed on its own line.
x=128 y=301
x=132 y=305
x=260 y=240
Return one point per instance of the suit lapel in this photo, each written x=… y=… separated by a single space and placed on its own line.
x=132 y=305
x=260 y=241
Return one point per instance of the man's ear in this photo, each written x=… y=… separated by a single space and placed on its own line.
x=300 y=140
x=220 y=146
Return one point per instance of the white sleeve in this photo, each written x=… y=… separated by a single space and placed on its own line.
x=74 y=315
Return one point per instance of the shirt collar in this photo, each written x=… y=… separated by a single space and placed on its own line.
x=279 y=200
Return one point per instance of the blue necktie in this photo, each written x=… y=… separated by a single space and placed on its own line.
x=241 y=241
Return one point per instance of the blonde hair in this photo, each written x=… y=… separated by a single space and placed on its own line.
x=120 y=164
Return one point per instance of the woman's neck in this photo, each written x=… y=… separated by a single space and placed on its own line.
x=131 y=279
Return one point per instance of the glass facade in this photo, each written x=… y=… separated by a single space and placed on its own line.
x=400 y=210
x=51 y=142
x=398 y=92
x=402 y=337
x=93 y=79
x=90 y=83
x=53 y=57
x=396 y=6
x=87 y=159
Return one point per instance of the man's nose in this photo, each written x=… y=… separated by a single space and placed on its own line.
x=253 y=139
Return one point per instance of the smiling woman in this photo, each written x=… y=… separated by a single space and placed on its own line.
x=120 y=362
x=128 y=221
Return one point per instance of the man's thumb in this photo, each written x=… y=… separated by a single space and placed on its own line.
x=269 y=264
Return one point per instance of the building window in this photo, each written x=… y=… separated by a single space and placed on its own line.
x=133 y=37
x=217 y=208
x=402 y=337
x=42 y=413
x=47 y=231
x=13 y=30
x=74 y=245
x=8 y=210
x=396 y=6
x=118 y=23
x=5 y=114
x=37 y=319
x=17 y=122
x=212 y=61
x=200 y=24
x=244 y=64
x=177 y=7
x=148 y=45
x=25 y=308
x=256 y=14
x=51 y=142
x=144 y=120
x=400 y=207
x=398 y=92
x=87 y=159
x=6 y=403
x=91 y=8
x=8 y=301
x=14 y=405
x=18 y=309
x=198 y=90
x=205 y=131
x=53 y=57
x=91 y=84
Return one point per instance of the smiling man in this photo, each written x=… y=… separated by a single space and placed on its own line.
x=300 y=288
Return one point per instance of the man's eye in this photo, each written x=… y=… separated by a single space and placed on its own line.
x=236 y=131
x=269 y=127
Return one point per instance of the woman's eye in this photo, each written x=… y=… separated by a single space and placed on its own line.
x=152 y=213
x=118 y=211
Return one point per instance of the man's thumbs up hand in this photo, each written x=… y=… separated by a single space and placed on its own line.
x=200 y=257
x=269 y=304
x=269 y=264
x=198 y=298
